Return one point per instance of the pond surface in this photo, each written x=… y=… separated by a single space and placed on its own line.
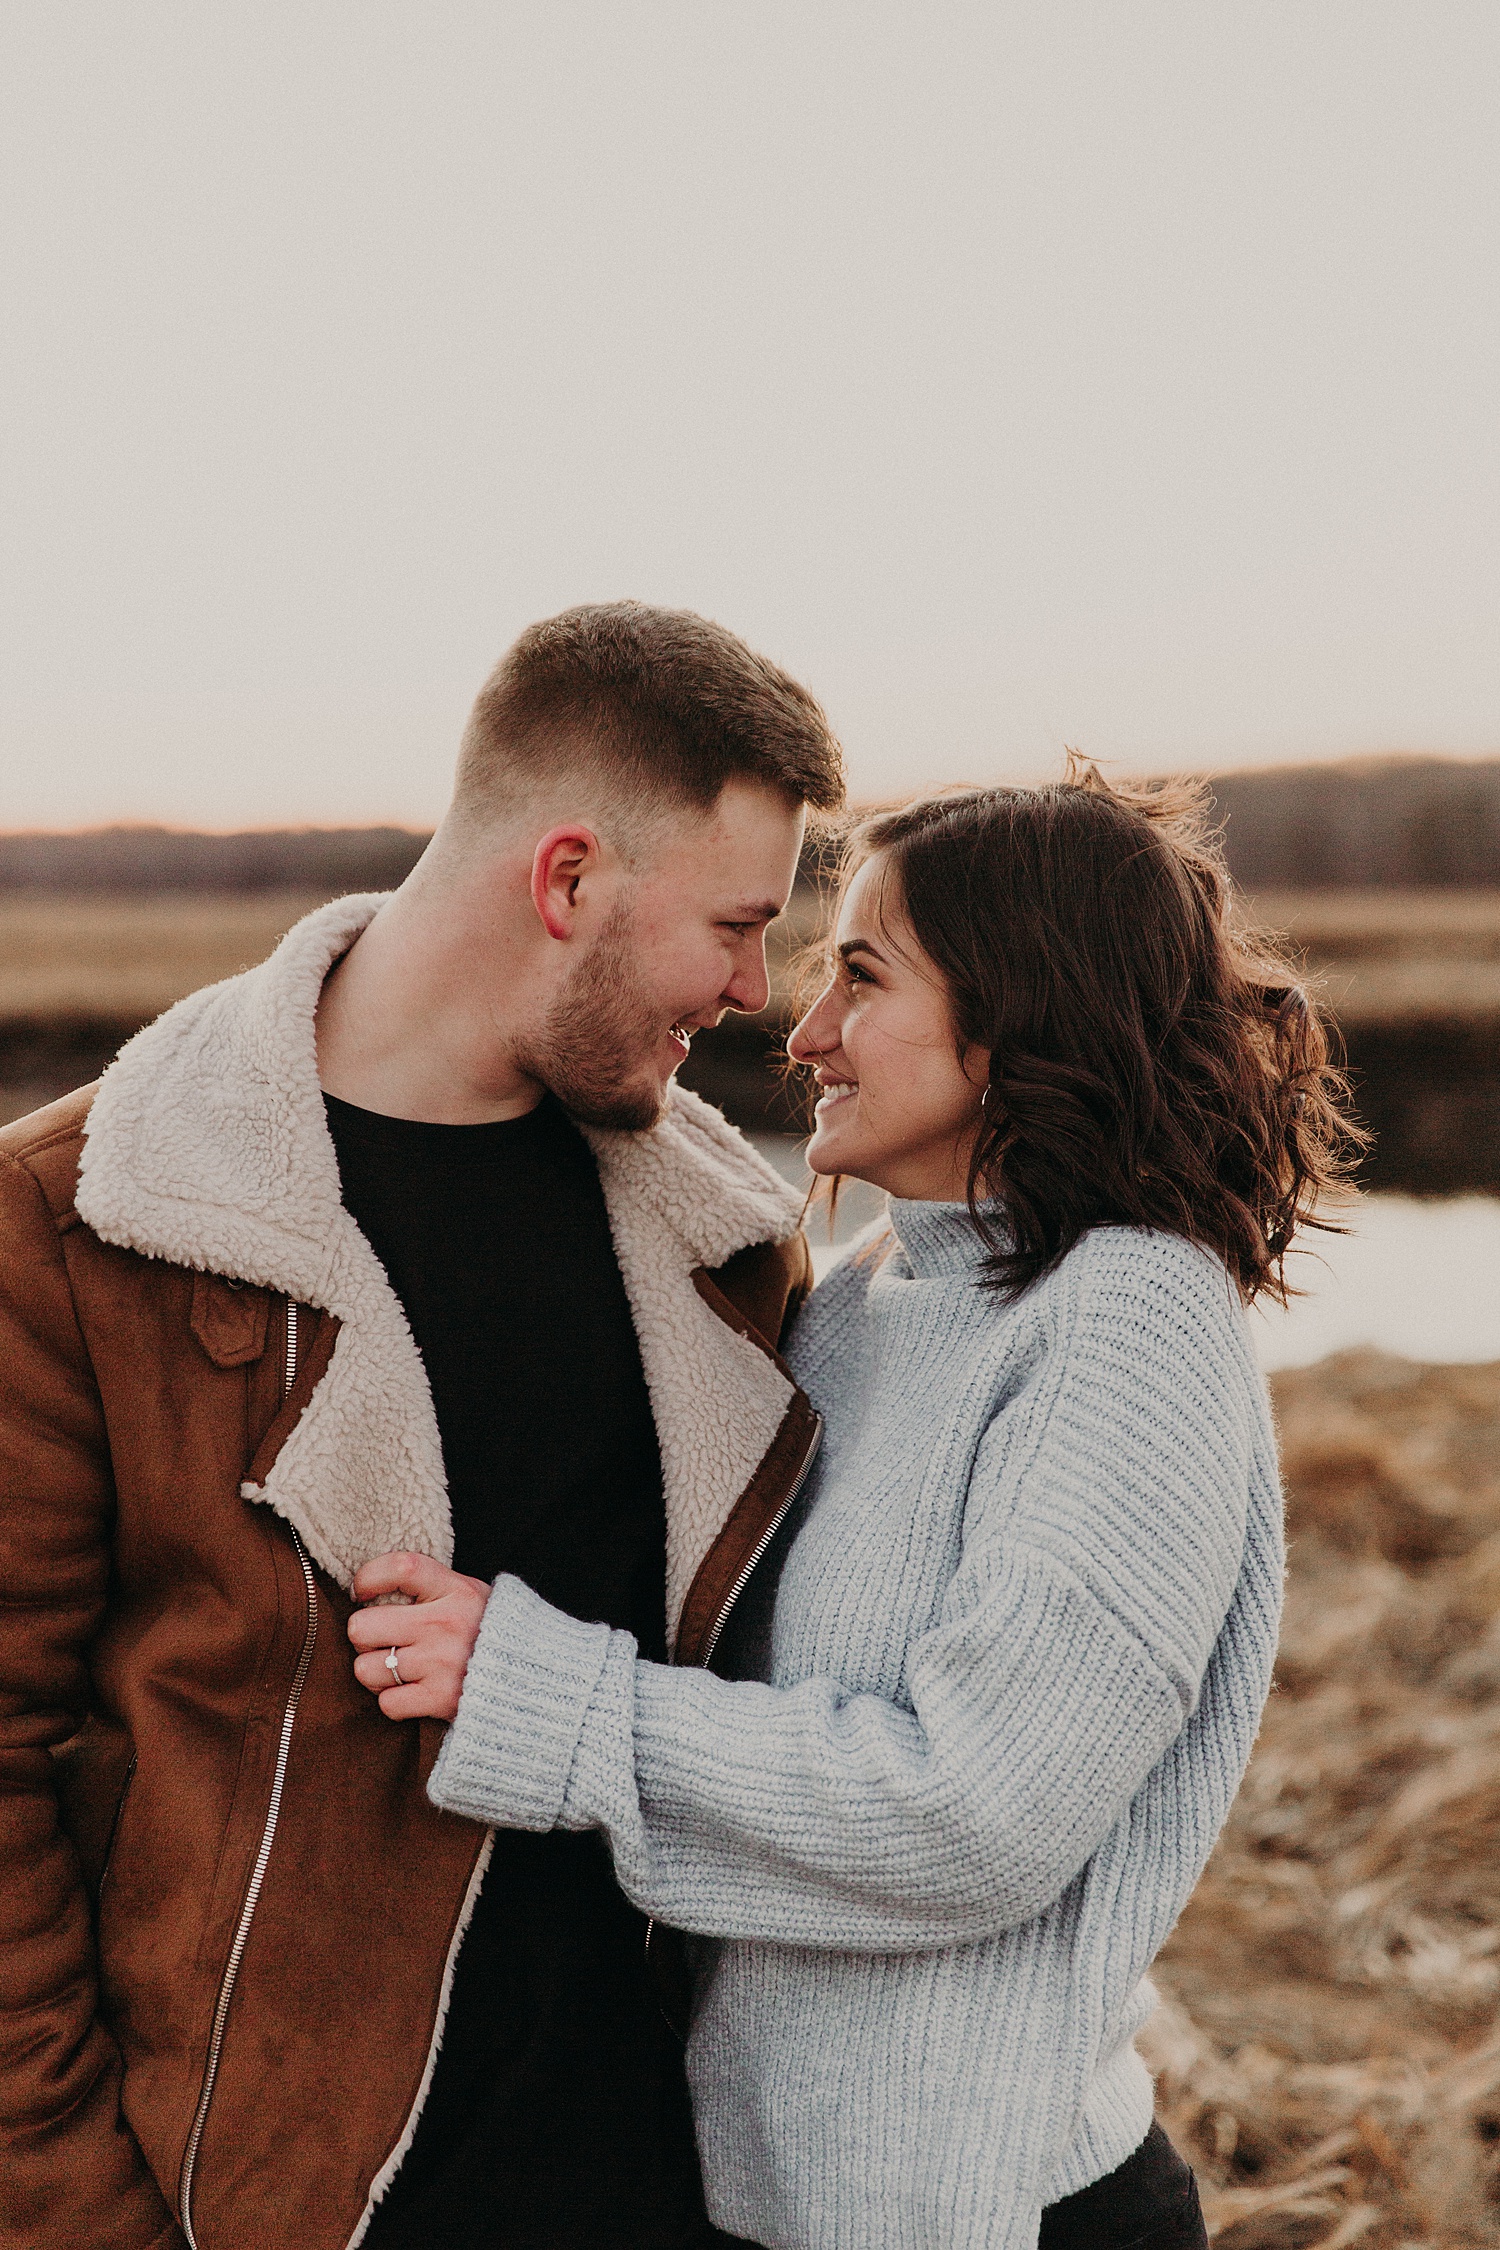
x=1415 y=1276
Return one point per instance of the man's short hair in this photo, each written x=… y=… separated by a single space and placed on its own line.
x=667 y=707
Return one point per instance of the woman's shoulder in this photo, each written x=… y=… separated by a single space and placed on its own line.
x=1150 y=1258
x=1142 y=1280
x=1119 y=1292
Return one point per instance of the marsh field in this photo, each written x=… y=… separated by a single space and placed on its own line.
x=1329 y=2043
x=1413 y=977
x=1329 y=2047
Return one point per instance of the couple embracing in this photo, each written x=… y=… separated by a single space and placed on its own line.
x=522 y=1727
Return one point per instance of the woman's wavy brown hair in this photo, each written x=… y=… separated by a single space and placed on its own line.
x=1152 y=1064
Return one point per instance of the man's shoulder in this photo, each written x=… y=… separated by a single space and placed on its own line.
x=48 y=1143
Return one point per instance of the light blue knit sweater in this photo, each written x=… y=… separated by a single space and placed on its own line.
x=1020 y=1650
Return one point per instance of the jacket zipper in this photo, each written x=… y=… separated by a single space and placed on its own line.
x=262 y=1857
x=461 y=1927
x=742 y=1580
x=761 y=1544
x=733 y=1595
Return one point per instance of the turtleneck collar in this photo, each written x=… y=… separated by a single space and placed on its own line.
x=938 y=1238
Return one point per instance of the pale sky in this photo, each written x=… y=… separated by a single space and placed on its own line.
x=1112 y=372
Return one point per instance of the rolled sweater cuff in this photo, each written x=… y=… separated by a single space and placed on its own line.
x=508 y=1753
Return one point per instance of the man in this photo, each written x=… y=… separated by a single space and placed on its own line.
x=402 y=1240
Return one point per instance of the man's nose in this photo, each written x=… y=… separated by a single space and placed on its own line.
x=749 y=989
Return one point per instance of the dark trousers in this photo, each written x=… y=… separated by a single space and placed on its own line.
x=1150 y=2202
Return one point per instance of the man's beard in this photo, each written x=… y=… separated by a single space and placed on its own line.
x=595 y=1048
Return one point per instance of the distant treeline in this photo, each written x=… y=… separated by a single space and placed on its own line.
x=1408 y=823
x=1364 y=823
x=330 y=860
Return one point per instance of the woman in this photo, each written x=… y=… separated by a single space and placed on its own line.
x=1017 y=1635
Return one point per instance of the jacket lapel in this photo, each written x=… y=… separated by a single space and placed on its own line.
x=686 y=1196
x=207 y=1147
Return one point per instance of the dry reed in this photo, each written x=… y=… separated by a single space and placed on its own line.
x=1329 y=2051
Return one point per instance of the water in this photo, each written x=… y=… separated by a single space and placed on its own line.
x=1416 y=1277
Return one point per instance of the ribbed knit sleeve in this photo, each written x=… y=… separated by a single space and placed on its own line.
x=1103 y=1530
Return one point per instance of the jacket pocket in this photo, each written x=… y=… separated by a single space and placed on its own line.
x=93 y=1772
x=114 y=1826
x=229 y=1320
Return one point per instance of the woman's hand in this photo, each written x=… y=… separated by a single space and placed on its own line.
x=432 y=1631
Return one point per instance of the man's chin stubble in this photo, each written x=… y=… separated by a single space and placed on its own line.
x=597 y=1085
x=589 y=1052
x=616 y=1109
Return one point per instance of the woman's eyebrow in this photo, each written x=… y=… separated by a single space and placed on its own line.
x=851 y=946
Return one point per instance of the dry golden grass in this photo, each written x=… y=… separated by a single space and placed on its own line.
x=1330 y=2051
x=1384 y=955
x=1377 y=955
x=64 y=956
x=125 y=958
x=1387 y=925
x=1380 y=953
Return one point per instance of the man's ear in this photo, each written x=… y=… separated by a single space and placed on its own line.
x=558 y=865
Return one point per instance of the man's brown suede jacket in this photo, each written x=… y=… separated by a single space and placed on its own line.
x=228 y=1912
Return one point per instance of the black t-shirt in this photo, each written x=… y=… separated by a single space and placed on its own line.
x=558 y=2114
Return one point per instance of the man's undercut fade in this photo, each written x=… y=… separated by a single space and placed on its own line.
x=666 y=707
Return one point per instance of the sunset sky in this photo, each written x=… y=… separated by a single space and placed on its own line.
x=1065 y=372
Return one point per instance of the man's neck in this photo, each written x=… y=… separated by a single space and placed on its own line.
x=396 y=1031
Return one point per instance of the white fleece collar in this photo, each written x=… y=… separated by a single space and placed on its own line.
x=207 y=1146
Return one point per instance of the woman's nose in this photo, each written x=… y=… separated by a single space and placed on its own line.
x=817 y=1033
